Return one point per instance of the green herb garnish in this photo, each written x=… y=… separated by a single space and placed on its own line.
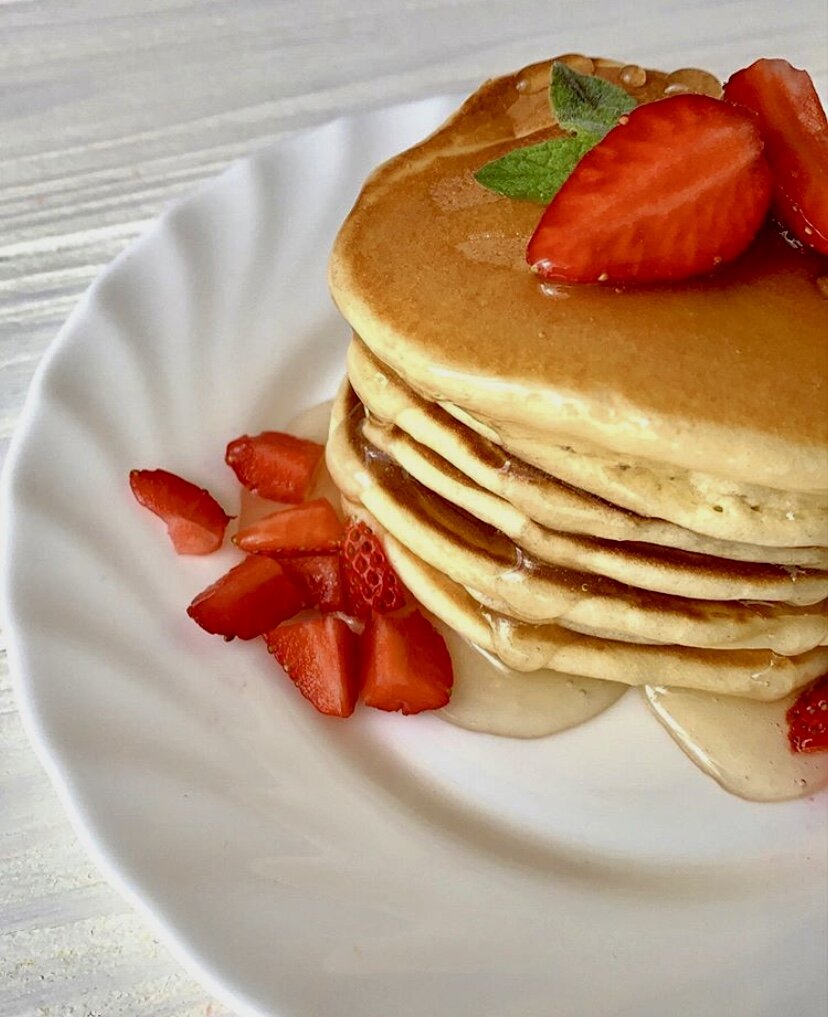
x=583 y=104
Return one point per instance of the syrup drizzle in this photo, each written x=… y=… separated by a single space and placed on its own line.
x=633 y=76
x=489 y=696
x=742 y=744
x=692 y=79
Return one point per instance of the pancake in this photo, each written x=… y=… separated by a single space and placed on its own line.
x=700 y=503
x=726 y=374
x=541 y=497
x=665 y=570
x=662 y=570
x=503 y=577
x=689 y=498
x=751 y=674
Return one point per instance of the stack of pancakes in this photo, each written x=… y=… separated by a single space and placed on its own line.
x=625 y=485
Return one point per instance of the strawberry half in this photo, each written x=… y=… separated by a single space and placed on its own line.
x=311 y=528
x=677 y=188
x=795 y=130
x=320 y=656
x=195 y=520
x=274 y=465
x=371 y=583
x=319 y=577
x=405 y=664
x=248 y=600
x=808 y=719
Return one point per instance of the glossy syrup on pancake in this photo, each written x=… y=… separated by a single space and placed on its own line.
x=726 y=373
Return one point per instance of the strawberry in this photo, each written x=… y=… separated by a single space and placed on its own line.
x=371 y=583
x=250 y=599
x=808 y=719
x=274 y=465
x=320 y=579
x=311 y=528
x=195 y=520
x=405 y=664
x=320 y=656
x=679 y=186
x=795 y=131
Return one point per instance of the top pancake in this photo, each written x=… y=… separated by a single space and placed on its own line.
x=726 y=374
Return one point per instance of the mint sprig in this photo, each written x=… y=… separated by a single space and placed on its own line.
x=585 y=105
x=535 y=172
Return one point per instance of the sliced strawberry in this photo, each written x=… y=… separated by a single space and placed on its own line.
x=195 y=520
x=371 y=583
x=311 y=528
x=405 y=664
x=678 y=187
x=250 y=599
x=795 y=130
x=320 y=656
x=808 y=719
x=320 y=579
x=274 y=465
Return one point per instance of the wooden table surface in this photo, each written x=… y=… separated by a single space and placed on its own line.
x=110 y=109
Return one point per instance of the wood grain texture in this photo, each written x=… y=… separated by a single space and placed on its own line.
x=109 y=111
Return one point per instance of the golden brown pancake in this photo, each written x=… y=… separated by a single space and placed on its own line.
x=503 y=576
x=663 y=570
x=726 y=374
x=751 y=674
x=561 y=503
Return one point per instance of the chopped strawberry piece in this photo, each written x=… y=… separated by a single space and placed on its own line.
x=320 y=656
x=795 y=130
x=250 y=599
x=405 y=664
x=195 y=520
x=371 y=583
x=311 y=528
x=320 y=579
x=274 y=465
x=808 y=719
x=678 y=187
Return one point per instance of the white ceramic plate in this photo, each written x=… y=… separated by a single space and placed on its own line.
x=303 y=866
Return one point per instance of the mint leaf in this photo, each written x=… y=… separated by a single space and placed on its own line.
x=535 y=172
x=586 y=104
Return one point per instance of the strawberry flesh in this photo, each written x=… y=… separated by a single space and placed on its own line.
x=320 y=579
x=311 y=528
x=274 y=465
x=795 y=130
x=371 y=583
x=808 y=719
x=405 y=664
x=677 y=188
x=250 y=599
x=195 y=520
x=320 y=656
